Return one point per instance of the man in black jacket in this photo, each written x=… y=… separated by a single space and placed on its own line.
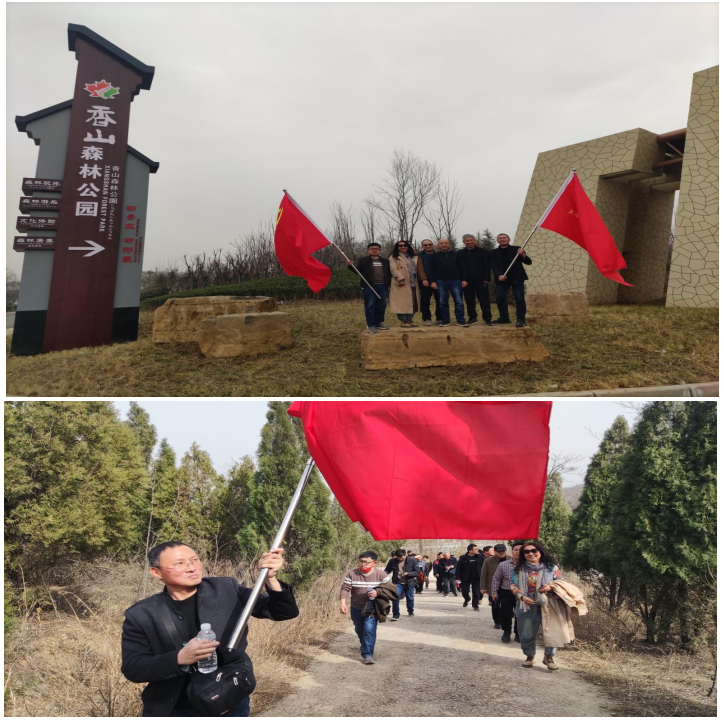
x=500 y=259
x=476 y=262
x=149 y=653
x=449 y=279
x=426 y=258
x=437 y=571
x=448 y=565
x=468 y=572
x=376 y=271
x=403 y=569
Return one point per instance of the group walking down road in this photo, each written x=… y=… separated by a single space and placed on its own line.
x=446 y=636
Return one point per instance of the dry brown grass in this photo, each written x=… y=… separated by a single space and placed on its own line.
x=67 y=662
x=643 y=680
x=620 y=347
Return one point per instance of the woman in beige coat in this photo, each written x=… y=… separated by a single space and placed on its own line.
x=406 y=280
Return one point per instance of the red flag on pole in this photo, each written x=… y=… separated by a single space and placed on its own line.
x=296 y=238
x=573 y=215
x=433 y=470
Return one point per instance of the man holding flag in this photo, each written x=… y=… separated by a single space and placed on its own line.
x=507 y=262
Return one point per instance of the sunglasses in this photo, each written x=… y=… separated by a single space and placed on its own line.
x=530 y=551
x=400 y=246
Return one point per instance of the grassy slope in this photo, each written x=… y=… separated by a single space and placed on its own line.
x=621 y=346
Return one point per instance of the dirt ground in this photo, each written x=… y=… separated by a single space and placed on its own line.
x=447 y=642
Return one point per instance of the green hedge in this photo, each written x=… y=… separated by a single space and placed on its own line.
x=343 y=286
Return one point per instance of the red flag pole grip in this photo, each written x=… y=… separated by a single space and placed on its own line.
x=374 y=291
x=522 y=247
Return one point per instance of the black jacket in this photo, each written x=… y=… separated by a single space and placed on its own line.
x=149 y=654
x=447 y=267
x=500 y=259
x=444 y=563
x=476 y=263
x=364 y=265
x=410 y=569
x=469 y=567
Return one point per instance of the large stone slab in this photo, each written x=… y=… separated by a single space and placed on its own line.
x=431 y=346
x=546 y=308
x=235 y=335
x=178 y=319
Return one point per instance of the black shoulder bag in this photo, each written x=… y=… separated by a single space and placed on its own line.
x=211 y=693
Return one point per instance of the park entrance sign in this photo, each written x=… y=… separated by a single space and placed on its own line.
x=88 y=293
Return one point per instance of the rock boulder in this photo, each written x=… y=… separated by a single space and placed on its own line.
x=551 y=307
x=178 y=320
x=431 y=346
x=235 y=335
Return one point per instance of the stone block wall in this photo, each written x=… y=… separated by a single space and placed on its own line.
x=694 y=275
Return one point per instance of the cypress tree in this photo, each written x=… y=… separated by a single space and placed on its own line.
x=554 y=516
x=76 y=484
x=281 y=457
x=590 y=545
x=140 y=423
x=165 y=496
x=230 y=504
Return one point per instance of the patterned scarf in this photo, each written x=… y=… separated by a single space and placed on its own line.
x=543 y=575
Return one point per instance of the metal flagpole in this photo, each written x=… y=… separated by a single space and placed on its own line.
x=278 y=539
x=543 y=217
x=333 y=244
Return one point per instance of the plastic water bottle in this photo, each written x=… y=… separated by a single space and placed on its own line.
x=370 y=608
x=210 y=663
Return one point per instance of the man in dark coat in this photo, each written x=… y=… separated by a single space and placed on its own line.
x=476 y=262
x=448 y=564
x=376 y=271
x=470 y=565
x=426 y=260
x=500 y=259
x=149 y=653
x=403 y=569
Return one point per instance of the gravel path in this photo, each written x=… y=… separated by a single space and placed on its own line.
x=443 y=640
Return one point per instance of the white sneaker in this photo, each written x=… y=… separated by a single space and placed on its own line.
x=428 y=323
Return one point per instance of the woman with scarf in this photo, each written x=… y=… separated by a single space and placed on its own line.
x=530 y=581
x=405 y=287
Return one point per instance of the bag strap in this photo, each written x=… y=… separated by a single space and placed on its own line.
x=168 y=622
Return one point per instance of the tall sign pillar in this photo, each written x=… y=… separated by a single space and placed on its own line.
x=91 y=215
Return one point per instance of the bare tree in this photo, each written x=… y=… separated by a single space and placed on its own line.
x=12 y=289
x=342 y=233
x=411 y=184
x=443 y=213
x=369 y=222
x=563 y=463
x=197 y=269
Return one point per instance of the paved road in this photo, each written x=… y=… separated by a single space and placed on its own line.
x=483 y=676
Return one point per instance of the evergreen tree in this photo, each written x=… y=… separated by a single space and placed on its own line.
x=590 y=546
x=165 y=495
x=486 y=240
x=140 y=423
x=76 y=484
x=230 y=504
x=665 y=520
x=554 y=516
x=281 y=459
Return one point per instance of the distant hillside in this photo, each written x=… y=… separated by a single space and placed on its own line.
x=572 y=494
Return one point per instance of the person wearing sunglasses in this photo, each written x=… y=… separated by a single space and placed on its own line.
x=530 y=582
x=405 y=287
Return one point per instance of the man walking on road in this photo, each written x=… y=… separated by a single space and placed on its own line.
x=500 y=589
x=469 y=569
x=486 y=580
x=403 y=569
x=359 y=586
x=448 y=565
x=438 y=571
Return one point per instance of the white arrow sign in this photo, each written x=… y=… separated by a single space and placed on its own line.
x=94 y=249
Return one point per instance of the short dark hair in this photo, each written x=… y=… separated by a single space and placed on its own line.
x=517 y=543
x=472 y=546
x=368 y=555
x=440 y=553
x=374 y=244
x=486 y=548
x=400 y=552
x=502 y=234
x=154 y=555
x=425 y=556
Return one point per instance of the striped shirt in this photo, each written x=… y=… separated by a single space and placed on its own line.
x=356 y=584
x=501 y=578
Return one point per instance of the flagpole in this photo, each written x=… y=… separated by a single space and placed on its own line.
x=278 y=540
x=347 y=259
x=543 y=216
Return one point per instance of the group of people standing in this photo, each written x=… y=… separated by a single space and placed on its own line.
x=410 y=280
x=517 y=586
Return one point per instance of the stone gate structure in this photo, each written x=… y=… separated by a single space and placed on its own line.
x=632 y=178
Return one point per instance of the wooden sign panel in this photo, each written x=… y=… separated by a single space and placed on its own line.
x=36 y=203
x=20 y=244
x=31 y=185
x=25 y=223
x=80 y=306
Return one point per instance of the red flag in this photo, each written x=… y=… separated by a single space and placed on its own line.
x=295 y=239
x=433 y=470
x=573 y=215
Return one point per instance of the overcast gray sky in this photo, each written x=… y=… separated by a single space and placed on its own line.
x=229 y=430
x=252 y=98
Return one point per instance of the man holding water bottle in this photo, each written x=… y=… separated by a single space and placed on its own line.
x=149 y=650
